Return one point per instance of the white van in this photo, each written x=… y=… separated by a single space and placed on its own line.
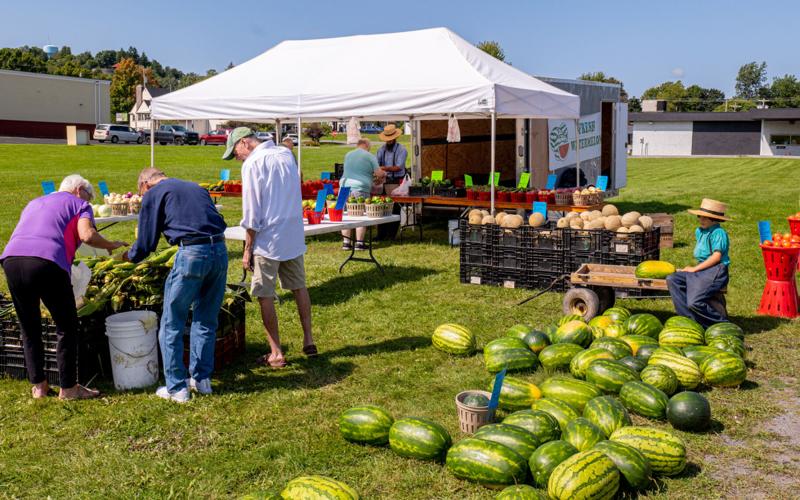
x=117 y=133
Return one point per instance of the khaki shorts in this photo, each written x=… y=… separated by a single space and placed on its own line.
x=266 y=272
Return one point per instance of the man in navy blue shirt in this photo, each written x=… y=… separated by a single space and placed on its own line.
x=185 y=214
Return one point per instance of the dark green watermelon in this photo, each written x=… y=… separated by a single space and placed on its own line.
x=476 y=401
x=644 y=399
x=614 y=345
x=539 y=423
x=646 y=351
x=689 y=411
x=633 y=363
x=546 y=458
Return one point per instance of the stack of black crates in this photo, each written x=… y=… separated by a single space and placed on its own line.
x=537 y=257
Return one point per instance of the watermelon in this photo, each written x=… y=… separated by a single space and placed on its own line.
x=665 y=451
x=633 y=363
x=539 y=423
x=588 y=474
x=512 y=359
x=610 y=375
x=420 y=438
x=597 y=332
x=687 y=371
x=574 y=332
x=601 y=322
x=568 y=318
x=582 y=434
x=673 y=336
x=654 y=269
x=644 y=399
x=537 y=341
x=643 y=324
x=519 y=331
x=558 y=356
x=504 y=344
x=728 y=343
x=616 y=346
x=615 y=330
x=572 y=391
x=683 y=322
x=317 y=487
x=516 y=394
x=724 y=369
x=644 y=352
x=636 y=341
x=633 y=466
x=672 y=349
x=516 y=438
x=661 y=377
x=582 y=360
x=698 y=353
x=486 y=462
x=558 y=409
x=476 y=401
x=726 y=328
x=454 y=339
x=546 y=458
x=617 y=314
x=550 y=331
x=689 y=411
x=368 y=424
x=521 y=492
x=607 y=414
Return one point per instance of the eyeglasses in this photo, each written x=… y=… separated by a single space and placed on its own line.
x=86 y=191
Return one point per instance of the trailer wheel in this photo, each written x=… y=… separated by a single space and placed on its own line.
x=606 y=296
x=581 y=301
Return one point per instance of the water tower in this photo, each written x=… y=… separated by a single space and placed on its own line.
x=50 y=50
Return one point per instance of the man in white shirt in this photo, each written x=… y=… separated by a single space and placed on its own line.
x=274 y=242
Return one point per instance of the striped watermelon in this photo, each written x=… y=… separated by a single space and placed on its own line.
x=539 y=423
x=317 y=488
x=724 y=369
x=633 y=466
x=546 y=458
x=687 y=371
x=727 y=328
x=512 y=359
x=616 y=346
x=588 y=474
x=558 y=356
x=614 y=330
x=366 y=424
x=486 y=462
x=582 y=434
x=558 y=409
x=683 y=322
x=420 y=438
x=572 y=391
x=728 y=343
x=672 y=349
x=582 y=360
x=610 y=375
x=644 y=352
x=550 y=331
x=519 y=331
x=504 y=344
x=574 y=332
x=607 y=414
x=661 y=377
x=597 y=332
x=672 y=336
x=516 y=394
x=521 y=492
x=636 y=341
x=601 y=322
x=563 y=320
x=698 y=353
x=534 y=339
x=643 y=324
x=665 y=451
x=617 y=314
x=644 y=399
x=516 y=438
x=633 y=363
x=454 y=339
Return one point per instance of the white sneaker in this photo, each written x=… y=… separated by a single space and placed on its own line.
x=181 y=396
x=201 y=386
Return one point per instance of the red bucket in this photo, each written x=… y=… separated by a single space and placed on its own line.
x=518 y=197
x=781 y=263
x=335 y=215
x=530 y=197
x=502 y=196
x=794 y=225
x=314 y=217
x=484 y=195
x=471 y=194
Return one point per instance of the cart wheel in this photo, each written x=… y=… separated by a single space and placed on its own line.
x=581 y=301
x=607 y=297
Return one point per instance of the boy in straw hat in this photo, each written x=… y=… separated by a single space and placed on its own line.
x=694 y=289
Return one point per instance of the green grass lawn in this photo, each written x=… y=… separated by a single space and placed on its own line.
x=263 y=427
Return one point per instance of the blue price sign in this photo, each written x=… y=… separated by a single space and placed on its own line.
x=344 y=192
x=225 y=174
x=602 y=182
x=103 y=188
x=48 y=187
x=551 y=181
x=540 y=207
x=328 y=189
x=325 y=175
x=764 y=230
x=321 y=201
x=498 y=385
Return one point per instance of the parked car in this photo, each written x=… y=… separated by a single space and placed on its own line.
x=371 y=129
x=180 y=135
x=293 y=137
x=162 y=136
x=264 y=136
x=117 y=133
x=214 y=137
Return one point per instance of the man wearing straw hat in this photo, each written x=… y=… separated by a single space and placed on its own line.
x=392 y=160
x=694 y=289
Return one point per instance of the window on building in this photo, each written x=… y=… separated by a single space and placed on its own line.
x=779 y=140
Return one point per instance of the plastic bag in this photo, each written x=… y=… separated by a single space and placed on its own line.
x=81 y=275
x=402 y=189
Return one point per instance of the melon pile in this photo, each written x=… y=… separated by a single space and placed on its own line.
x=608 y=219
x=502 y=219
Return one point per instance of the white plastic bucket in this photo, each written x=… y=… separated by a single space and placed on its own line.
x=133 y=344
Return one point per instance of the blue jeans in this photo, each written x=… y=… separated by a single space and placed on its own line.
x=197 y=281
x=691 y=293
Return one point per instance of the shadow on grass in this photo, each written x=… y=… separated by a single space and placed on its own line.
x=651 y=207
x=757 y=324
x=345 y=286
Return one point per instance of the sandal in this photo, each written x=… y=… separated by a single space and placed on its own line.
x=310 y=350
x=81 y=393
x=38 y=393
x=265 y=361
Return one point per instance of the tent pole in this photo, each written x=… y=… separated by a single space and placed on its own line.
x=413 y=148
x=277 y=131
x=577 y=153
x=152 y=143
x=491 y=170
x=299 y=148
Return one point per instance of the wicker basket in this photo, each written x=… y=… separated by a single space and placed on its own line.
x=563 y=198
x=387 y=209
x=119 y=209
x=581 y=200
x=373 y=210
x=355 y=209
x=135 y=207
x=469 y=418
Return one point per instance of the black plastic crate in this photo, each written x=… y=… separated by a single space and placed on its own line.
x=477 y=274
x=549 y=261
x=473 y=233
x=91 y=364
x=419 y=191
x=584 y=240
x=634 y=244
x=545 y=280
x=630 y=259
x=547 y=238
x=450 y=192
x=476 y=253
x=509 y=277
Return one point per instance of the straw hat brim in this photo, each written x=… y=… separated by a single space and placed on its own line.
x=709 y=215
x=388 y=137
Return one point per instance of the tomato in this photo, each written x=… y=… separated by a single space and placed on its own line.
x=786 y=244
x=767 y=243
x=777 y=237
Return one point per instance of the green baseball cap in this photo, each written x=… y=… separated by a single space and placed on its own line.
x=235 y=136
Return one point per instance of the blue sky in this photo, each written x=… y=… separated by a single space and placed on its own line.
x=699 y=41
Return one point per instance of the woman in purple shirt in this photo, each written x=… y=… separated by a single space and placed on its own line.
x=37 y=263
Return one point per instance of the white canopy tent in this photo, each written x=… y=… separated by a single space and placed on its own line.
x=415 y=75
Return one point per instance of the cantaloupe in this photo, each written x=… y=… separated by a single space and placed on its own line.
x=536 y=219
x=595 y=224
x=622 y=229
x=476 y=218
x=595 y=214
x=635 y=229
x=488 y=219
x=576 y=223
x=485 y=213
x=630 y=219
x=646 y=222
x=499 y=217
x=572 y=215
x=613 y=222
x=475 y=211
x=586 y=216
x=512 y=221
x=562 y=223
x=610 y=210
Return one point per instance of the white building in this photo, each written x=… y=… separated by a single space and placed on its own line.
x=139 y=116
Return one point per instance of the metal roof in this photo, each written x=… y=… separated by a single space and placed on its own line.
x=752 y=115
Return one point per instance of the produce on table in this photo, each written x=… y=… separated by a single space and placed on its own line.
x=633 y=466
x=665 y=451
x=654 y=269
x=615 y=330
x=486 y=462
x=588 y=474
x=368 y=424
x=539 y=423
x=317 y=487
x=558 y=356
x=610 y=375
x=516 y=394
x=546 y=458
x=454 y=339
x=582 y=434
x=601 y=321
x=689 y=411
x=661 y=377
x=563 y=412
x=420 y=438
x=723 y=369
x=607 y=413
x=511 y=436
x=521 y=492
x=644 y=399
x=572 y=391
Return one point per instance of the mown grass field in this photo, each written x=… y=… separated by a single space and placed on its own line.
x=263 y=427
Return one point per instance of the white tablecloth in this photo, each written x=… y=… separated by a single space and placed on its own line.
x=237 y=233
